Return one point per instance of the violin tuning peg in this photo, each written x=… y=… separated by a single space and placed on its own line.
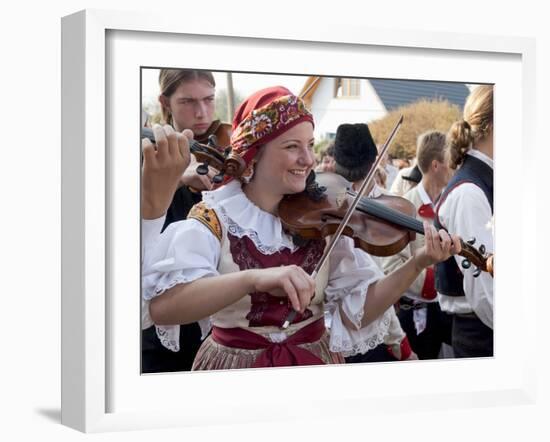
x=477 y=272
x=227 y=151
x=212 y=141
x=217 y=179
x=202 y=169
x=482 y=249
x=471 y=241
x=466 y=264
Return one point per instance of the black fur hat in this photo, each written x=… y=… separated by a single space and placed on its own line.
x=354 y=151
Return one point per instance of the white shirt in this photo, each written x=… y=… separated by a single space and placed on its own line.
x=400 y=185
x=391 y=173
x=467 y=213
x=187 y=250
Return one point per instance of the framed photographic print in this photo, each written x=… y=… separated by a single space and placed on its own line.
x=104 y=57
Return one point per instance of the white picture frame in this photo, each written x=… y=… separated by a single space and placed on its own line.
x=94 y=365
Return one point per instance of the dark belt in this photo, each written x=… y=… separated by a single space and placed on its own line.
x=410 y=304
x=471 y=315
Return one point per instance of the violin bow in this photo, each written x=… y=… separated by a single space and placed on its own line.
x=345 y=220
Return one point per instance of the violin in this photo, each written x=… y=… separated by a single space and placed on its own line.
x=221 y=159
x=221 y=132
x=380 y=226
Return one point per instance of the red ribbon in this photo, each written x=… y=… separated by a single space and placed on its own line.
x=275 y=354
x=426 y=211
x=428 y=289
x=404 y=351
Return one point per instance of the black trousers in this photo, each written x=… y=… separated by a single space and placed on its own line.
x=379 y=353
x=471 y=337
x=438 y=330
x=155 y=358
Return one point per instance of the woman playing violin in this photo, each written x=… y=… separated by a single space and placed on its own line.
x=232 y=262
x=466 y=207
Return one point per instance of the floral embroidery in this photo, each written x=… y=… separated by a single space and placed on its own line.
x=267 y=120
x=206 y=216
x=260 y=126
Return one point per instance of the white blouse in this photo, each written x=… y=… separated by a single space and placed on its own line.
x=187 y=250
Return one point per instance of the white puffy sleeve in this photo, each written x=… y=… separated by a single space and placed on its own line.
x=350 y=274
x=150 y=234
x=184 y=252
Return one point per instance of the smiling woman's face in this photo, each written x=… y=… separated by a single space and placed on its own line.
x=285 y=162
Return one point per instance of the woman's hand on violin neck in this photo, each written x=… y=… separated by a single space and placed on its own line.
x=438 y=247
x=163 y=165
x=286 y=281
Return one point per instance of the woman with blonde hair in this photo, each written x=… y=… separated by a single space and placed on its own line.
x=233 y=263
x=466 y=208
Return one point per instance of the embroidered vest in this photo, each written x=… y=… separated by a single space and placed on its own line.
x=261 y=312
x=448 y=277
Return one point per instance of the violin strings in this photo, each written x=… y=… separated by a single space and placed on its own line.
x=376 y=209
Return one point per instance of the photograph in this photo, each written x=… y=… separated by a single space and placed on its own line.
x=297 y=220
x=298 y=228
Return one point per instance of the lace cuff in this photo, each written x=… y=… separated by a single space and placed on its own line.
x=352 y=342
x=351 y=273
x=169 y=335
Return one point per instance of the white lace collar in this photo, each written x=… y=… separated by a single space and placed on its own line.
x=242 y=217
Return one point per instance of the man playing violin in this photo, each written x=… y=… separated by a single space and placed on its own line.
x=231 y=262
x=187 y=101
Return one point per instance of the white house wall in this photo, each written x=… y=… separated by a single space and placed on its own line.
x=330 y=112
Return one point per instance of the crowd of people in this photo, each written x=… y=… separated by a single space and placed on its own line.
x=221 y=273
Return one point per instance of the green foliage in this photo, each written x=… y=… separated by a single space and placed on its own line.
x=152 y=107
x=320 y=147
x=222 y=105
x=418 y=117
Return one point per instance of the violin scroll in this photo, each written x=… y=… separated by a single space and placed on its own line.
x=479 y=257
x=224 y=161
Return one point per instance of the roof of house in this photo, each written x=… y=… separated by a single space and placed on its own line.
x=395 y=93
x=309 y=88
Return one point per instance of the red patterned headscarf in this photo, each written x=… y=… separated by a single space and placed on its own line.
x=264 y=116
